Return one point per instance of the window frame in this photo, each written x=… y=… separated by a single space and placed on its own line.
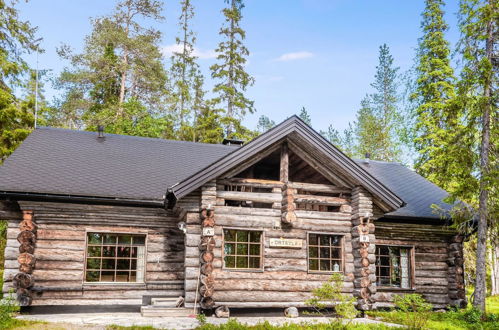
x=84 y=279
x=262 y=251
x=412 y=267
x=342 y=252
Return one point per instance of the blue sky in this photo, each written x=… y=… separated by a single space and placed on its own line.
x=320 y=54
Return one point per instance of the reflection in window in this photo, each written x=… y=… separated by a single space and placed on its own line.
x=325 y=253
x=242 y=249
x=393 y=266
x=115 y=258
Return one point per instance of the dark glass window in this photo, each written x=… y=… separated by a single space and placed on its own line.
x=242 y=249
x=325 y=253
x=393 y=266
x=115 y=258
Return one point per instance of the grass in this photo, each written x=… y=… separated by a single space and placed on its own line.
x=234 y=324
x=133 y=327
x=493 y=304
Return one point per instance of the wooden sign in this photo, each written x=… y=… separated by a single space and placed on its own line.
x=364 y=238
x=208 y=231
x=286 y=242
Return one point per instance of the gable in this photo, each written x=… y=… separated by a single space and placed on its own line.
x=309 y=146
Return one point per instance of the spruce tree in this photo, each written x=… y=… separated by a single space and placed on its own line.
x=305 y=116
x=16 y=39
x=435 y=120
x=185 y=74
x=344 y=141
x=230 y=72
x=475 y=145
x=264 y=124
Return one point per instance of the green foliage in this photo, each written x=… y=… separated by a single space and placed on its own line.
x=473 y=315
x=229 y=70
x=264 y=124
x=417 y=309
x=329 y=293
x=304 y=115
x=201 y=318
x=8 y=306
x=133 y=327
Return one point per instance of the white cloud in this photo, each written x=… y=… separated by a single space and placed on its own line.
x=294 y=56
x=200 y=53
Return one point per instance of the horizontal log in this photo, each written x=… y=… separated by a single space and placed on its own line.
x=320 y=200
x=273 y=285
x=250 y=196
x=259 y=296
x=85 y=302
x=323 y=215
x=322 y=188
x=256 y=183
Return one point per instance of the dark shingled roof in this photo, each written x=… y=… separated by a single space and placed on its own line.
x=69 y=162
x=418 y=193
x=77 y=163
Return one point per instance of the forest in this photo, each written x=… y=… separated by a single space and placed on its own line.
x=440 y=117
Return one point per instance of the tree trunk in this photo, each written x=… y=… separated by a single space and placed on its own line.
x=481 y=251
x=494 y=256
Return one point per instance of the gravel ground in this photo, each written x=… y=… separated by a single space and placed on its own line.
x=100 y=320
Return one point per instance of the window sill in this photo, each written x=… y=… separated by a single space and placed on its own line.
x=388 y=288
x=318 y=272
x=243 y=270
x=138 y=284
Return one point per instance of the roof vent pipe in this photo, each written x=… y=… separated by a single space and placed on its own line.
x=100 y=131
x=232 y=142
x=367 y=156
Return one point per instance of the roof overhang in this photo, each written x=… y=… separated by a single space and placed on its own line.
x=295 y=130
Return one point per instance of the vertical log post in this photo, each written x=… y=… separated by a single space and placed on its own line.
x=288 y=207
x=206 y=258
x=23 y=281
x=457 y=294
x=363 y=248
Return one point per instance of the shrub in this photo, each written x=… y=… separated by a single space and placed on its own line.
x=8 y=306
x=330 y=293
x=417 y=310
x=473 y=315
x=201 y=318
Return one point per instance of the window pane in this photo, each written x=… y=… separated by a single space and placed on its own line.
x=230 y=235
x=230 y=248
x=125 y=239
x=255 y=249
x=109 y=251
x=312 y=239
x=325 y=265
x=242 y=236
x=324 y=252
x=123 y=264
x=133 y=277
x=242 y=249
x=110 y=239
x=314 y=264
x=134 y=264
x=107 y=277
x=230 y=262
x=94 y=238
x=255 y=236
x=335 y=241
x=336 y=253
x=242 y=262
x=94 y=251
x=139 y=240
x=254 y=262
x=124 y=251
x=122 y=276
x=108 y=263
x=324 y=240
x=92 y=276
x=313 y=252
x=93 y=263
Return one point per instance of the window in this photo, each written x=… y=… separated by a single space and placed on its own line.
x=393 y=266
x=325 y=253
x=115 y=258
x=242 y=249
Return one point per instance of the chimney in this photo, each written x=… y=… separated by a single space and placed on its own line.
x=100 y=132
x=367 y=156
x=232 y=142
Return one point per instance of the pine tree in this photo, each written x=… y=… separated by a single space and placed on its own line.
x=435 y=120
x=264 y=124
x=185 y=75
x=474 y=146
x=230 y=72
x=305 y=116
x=119 y=79
x=16 y=38
x=344 y=141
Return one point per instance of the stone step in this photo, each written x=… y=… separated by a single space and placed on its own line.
x=165 y=301
x=160 y=311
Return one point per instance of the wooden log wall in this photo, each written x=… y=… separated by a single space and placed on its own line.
x=285 y=279
x=60 y=253
x=206 y=246
x=432 y=250
x=457 y=293
x=363 y=246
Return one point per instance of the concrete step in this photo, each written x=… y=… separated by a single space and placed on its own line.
x=165 y=301
x=160 y=311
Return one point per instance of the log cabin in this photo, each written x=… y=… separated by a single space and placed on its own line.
x=101 y=219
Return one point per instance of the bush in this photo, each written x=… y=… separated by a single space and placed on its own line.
x=473 y=315
x=330 y=294
x=8 y=306
x=417 y=310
